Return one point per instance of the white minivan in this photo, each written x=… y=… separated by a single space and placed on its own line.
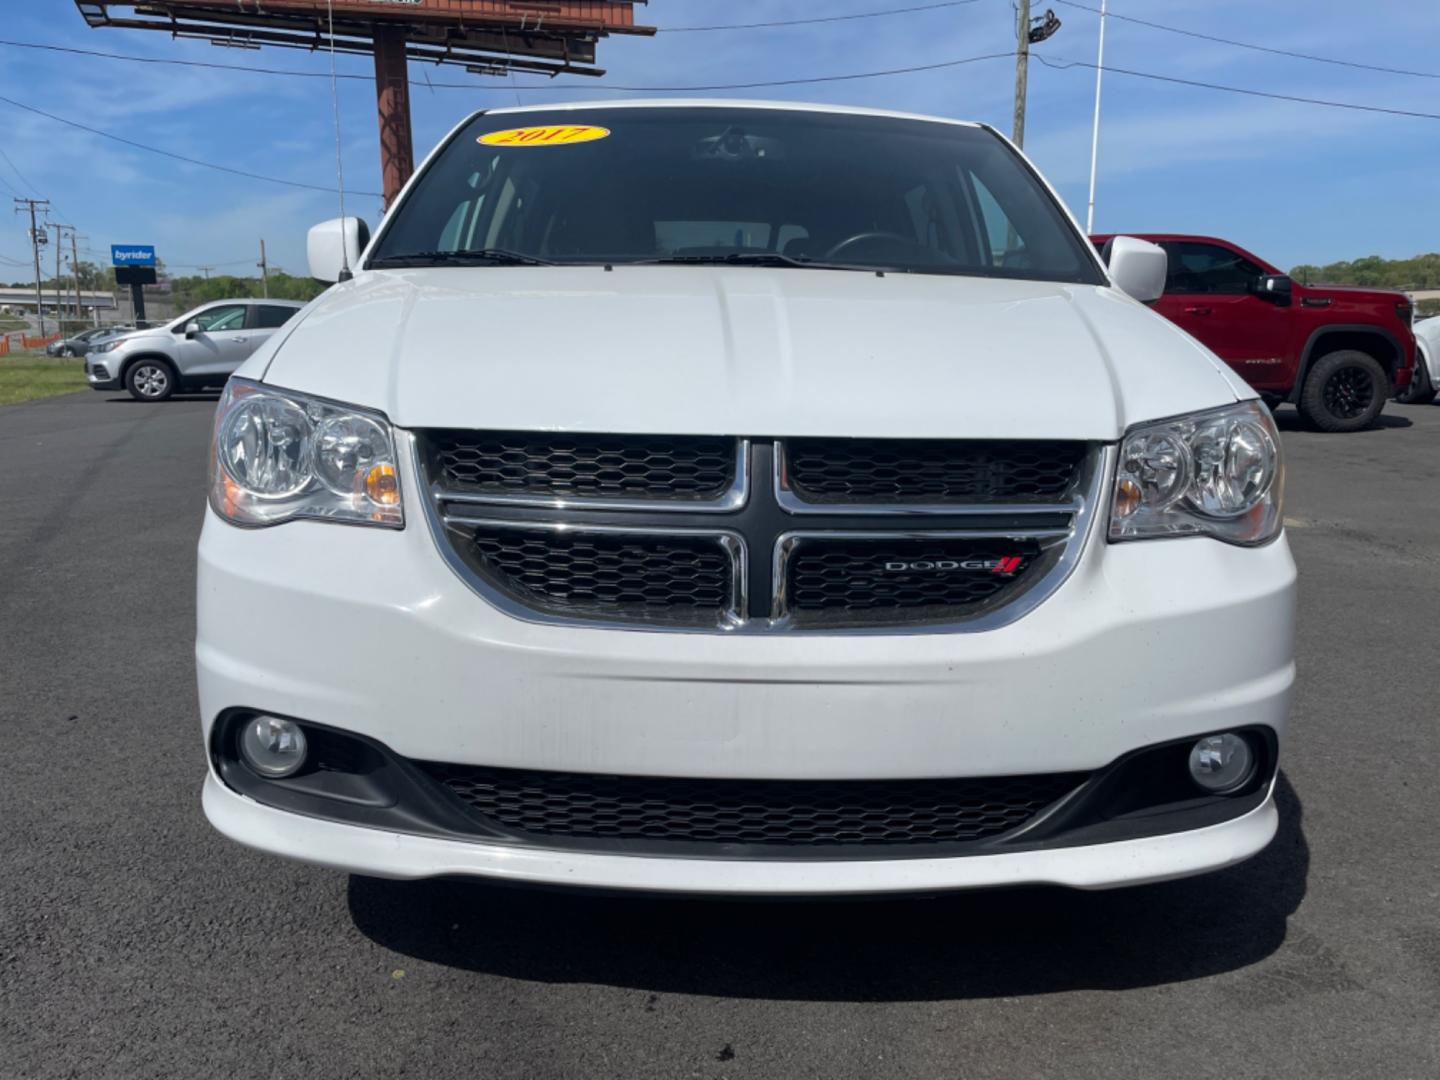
x=741 y=498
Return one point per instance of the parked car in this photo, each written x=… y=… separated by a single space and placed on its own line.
x=657 y=508
x=199 y=349
x=1424 y=386
x=1334 y=352
x=77 y=344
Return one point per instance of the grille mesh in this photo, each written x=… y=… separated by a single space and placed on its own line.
x=932 y=470
x=869 y=489
x=866 y=579
x=581 y=466
x=675 y=579
x=792 y=813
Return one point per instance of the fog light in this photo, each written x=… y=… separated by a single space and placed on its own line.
x=272 y=747
x=1221 y=763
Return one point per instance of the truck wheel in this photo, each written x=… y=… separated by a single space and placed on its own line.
x=1344 y=391
x=1420 y=391
x=150 y=380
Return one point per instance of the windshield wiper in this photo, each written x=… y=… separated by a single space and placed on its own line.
x=481 y=257
x=748 y=258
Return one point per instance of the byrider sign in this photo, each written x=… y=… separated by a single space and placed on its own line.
x=132 y=255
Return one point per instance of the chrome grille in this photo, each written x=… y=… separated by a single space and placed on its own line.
x=754 y=555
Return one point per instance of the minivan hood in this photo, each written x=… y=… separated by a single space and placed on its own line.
x=745 y=351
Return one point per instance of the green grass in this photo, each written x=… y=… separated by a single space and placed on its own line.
x=26 y=376
x=9 y=323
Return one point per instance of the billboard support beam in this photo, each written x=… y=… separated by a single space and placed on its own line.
x=137 y=304
x=392 y=99
x=486 y=37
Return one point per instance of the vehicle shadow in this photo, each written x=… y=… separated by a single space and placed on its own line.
x=1001 y=943
x=1287 y=419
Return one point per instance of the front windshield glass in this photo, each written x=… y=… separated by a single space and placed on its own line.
x=738 y=185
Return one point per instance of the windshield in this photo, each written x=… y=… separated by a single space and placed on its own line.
x=739 y=185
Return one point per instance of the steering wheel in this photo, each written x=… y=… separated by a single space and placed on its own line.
x=860 y=238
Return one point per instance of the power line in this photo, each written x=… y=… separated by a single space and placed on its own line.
x=167 y=153
x=212 y=266
x=470 y=86
x=1060 y=65
x=17 y=172
x=778 y=82
x=75 y=51
x=23 y=179
x=174 y=61
x=812 y=80
x=820 y=19
x=1251 y=45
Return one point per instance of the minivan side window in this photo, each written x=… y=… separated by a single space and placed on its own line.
x=1207 y=268
x=269 y=316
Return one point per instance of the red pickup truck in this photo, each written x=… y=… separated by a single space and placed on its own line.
x=1336 y=353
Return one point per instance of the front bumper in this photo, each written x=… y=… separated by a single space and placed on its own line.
x=369 y=631
x=397 y=855
x=99 y=376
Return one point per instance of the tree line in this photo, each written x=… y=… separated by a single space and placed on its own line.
x=185 y=292
x=1421 y=272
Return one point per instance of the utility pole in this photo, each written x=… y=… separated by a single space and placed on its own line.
x=1027 y=33
x=59 y=250
x=75 y=270
x=21 y=205
x=264 y=271
x=1095 y=129
x=205 y=270
x=1022 y=65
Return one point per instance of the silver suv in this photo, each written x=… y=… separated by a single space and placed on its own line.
x=199 y=349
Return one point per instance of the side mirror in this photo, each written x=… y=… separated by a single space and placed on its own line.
x=335 y=244
x=1138 y=267
x=192 y=329
x=1275 y=287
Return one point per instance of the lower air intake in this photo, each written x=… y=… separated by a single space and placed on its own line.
x=779 y=813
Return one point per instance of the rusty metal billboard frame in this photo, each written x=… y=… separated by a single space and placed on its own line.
x=549 y=37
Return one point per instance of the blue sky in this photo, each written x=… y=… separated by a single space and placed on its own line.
x=1294 y=182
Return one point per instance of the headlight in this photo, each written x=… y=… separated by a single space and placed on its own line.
x=1216 y=473
x=278 y=455
x=109 y=346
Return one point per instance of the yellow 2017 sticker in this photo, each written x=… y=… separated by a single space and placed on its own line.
x=549 y=135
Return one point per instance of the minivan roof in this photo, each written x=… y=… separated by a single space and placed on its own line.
x=721 y=103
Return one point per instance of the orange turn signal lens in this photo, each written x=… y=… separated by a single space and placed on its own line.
x=382 y=485
x=1127 y=497
x=232 y=495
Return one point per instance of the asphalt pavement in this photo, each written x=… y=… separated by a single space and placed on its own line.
x=136 y=942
